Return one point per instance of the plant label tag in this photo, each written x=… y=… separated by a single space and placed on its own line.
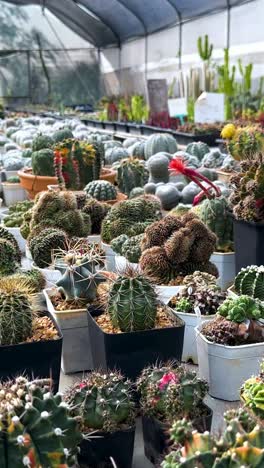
x=177 y=107
x=210 y=108
x=198 y=313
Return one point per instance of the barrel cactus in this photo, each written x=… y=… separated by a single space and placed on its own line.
x=198 y=149
x=36 y=428
x=63 y=134
x=8 y=259
x=250 y=281
x=131 y=173
x=160 y=142
x=169 y=196
x=132 y=303
x=102 y=402
x=158 y=167
x=5 y=234
x=43 y=162
x=128 y=142
x=115 y=154
x=43 y=245
x=137 y=150
x=213 y=159
x=33 y=279
x=101 y=190
x=42 y=142
x=214 y=213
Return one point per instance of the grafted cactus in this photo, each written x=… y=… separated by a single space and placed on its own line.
x=252 y=393
x=36 y=429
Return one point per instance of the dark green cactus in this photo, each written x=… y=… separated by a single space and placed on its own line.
x=102 y=401
x=42 y=142
x=242 y=308
x=131 y=248
x=97 y=211
x=5 y=234
x=132 y=303
x=117 y=243
x=61 y=135
x=250 y=281
x=8 y=261
x=131 y=173
x=42 y=163
x=43 y=245
x=101 y=190
x=204 y=48
x=34 y=279
x=36 y=429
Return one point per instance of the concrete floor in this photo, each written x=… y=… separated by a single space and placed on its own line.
x=140 y=461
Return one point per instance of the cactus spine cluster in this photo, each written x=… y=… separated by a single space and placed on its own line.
x=131 y=173
x=102 y=402
x=132 y=303
x=35 y=429
x=6 y=235
x=250 y=281
x=43 y=245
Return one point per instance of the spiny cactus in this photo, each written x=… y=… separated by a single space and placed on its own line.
x=5 y=234
x=102 y=402
x=101 y=190
x=241 y=308
x=81 y=277
x=252 y=393
x=198 y=149
x=243 y=143
x=250 y=281
x=236 y=448
x=132 y=303
x=204 y=48
x=42 y=142
x=131 y=173
x=42 y=163
x=36 y=429
x=131 y=248
x=214 y=213
x=97 y=211
x=177 y=246
x=8 y=262
x=33 y=278
x=171 y=392
x=42 y=246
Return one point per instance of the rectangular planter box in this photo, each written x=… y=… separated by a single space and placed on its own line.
x=98 y=124
x=88 y=122
x=156 y=434
x=108 y=125
x=225 y=368
x=40 y=359
x=225 y=263
x=76 y=349
x=249 y=242
x=131 y=352
x=149 y=130
x=186 y=138
x=135 y=129
x=121 y=127
x=97 y=450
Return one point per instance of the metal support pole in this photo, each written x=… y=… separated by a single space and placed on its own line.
x=180 y=42
x=120 y=69
x=101 y=81
x=146 y=60
x=228 y=24
x=29 y=74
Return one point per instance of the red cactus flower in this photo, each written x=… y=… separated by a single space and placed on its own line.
x=167 y=379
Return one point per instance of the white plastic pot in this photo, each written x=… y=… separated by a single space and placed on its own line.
x=18 y=236
x=225 y=263
x=189 y=352
x=109 y=257
x=121 y=264
x=51 y=275
x=10 y=173
x=76 y=349
x=13 y=193
x=27 y=252
x=225 y=368
x=165 y=293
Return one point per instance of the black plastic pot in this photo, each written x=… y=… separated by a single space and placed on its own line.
x=109 y=125
x=149 y=130
x=249 y=243
x=156 y=434
x=134 y=128
x=121 y=127
x=186 y=138
x=98 y=124
x=40 y=359
x=89 y=122
x=131 y=352
x=97 y=450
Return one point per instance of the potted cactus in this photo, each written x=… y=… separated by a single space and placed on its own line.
x=97 y=211
x=13 y=191
x=81 y=266
x=231 y=344
x=241 y=444
x=36 y=429
x=14 y=219
x=131 y=173
x=252 y=394
x=197 y=301
x=30 y=342
x=128 y=251
x=169 y=393
x=103 y=190
x=103 y=404
x=147 y=329
x=249 y=281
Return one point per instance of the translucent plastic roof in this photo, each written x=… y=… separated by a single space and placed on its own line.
x=111 y=22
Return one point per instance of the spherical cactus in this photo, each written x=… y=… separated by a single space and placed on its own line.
x=8 y=259
x=160 y=142
x=137 y=150
x=213 y=159
x=190 y=160
x=43 y=245
x=158 y=167
x=198 y=149
x=168 y=195
x=102 y=401
x=101 y=190
x=250 y=281
x=131 y=173
x=33 y=279
x=132 y=303
x=63 y=134
x=42 y=142
x=115 y=154
x=5 y=234
x=43 y=163
x=128 y=142
x=136 y=192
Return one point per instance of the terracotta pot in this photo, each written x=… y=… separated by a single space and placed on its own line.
x=34 y=184
x=108 y=174
x=120 y=197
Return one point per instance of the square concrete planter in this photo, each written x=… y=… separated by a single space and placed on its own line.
x=51 y=275
x=225 y=263
x=165 y=293
x=76 y=351
x=121 y=264
x=110 y=264
x=225 y=368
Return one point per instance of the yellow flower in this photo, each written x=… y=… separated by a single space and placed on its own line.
x=228 y=131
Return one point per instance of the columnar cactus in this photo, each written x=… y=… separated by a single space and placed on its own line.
x=102 y=402
x=250 y=281
x=131 y=173
x=97 y=211
x=101 y=190
x=8 y=259
x=132 y=303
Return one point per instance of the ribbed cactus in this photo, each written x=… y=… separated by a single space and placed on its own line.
x=132 y=303
x=44 y=244
x=101 y=190
x=102 y=401
x=81 y=277
x=250 y=281
x=8 y=262
x=5 y=234
x=204 y=48
x=36 y=429
x=198 y=149
x=252 y=393
x=16 y=317
x=97 y=211
x=131 y=173
x=214 y=213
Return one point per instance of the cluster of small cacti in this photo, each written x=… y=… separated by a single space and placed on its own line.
x=97 y=211
x=252 y=393
x=238 y=446
x=207 y=300
x=177 y=246
x=43 y=245
x=198 y=149
x=171 y=392
x=102 y=402
x=131 y=173
x=243 y=142
x=129 y=247
x=101 y=190
x=199 y=279
x=130 y=217
x=15 y=217
x=250 y=281
x=132 y=303
x=242 y=308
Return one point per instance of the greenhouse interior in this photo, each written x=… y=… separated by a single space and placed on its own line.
x=132 y=234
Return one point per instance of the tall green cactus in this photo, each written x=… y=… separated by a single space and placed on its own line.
x=102 y=401
x=132 y=303
x=131 y=173
x=204 y=48
x=227 y=82
x=250 y=281
x=35 y=429
x=246 y=73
